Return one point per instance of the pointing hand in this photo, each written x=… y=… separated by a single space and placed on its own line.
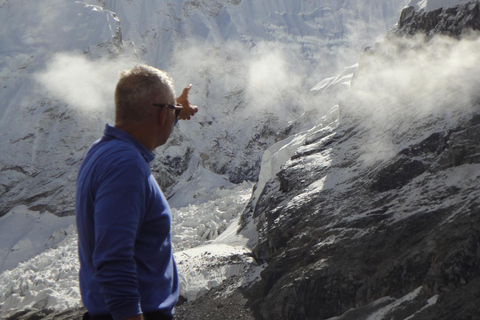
x=188 y=110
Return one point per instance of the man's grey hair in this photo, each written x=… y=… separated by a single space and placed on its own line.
x=136 y=90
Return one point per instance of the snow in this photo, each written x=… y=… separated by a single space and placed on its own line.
x=430 y=302
x=462 y=178
x=25 y=233
x=50 y=279
x=341 y=80
x=221 y=206
x=383 y=311
x=432 y=5
x=204 y=267
x=380 y=314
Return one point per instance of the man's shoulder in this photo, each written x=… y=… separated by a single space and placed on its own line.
x=116 y=153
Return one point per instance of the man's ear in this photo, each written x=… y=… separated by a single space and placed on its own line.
x=161 y=116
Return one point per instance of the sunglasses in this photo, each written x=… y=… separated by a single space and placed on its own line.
x=170 y=106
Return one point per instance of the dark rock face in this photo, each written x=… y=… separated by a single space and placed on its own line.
x=217 y=304
x=451 y=21
x=396 y=227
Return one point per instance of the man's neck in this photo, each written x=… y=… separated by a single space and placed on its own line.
x=141 y=132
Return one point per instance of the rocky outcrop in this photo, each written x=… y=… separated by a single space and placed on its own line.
x=348 y=233
x=448 y=21
x=398 y=227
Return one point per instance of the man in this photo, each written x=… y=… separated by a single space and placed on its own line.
x=127 y=269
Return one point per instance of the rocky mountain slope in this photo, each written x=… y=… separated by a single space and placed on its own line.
x=377 y=214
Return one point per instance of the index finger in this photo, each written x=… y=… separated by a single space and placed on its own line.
x=186 y=90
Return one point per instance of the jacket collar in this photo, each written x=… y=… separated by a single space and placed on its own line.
x=119 y=134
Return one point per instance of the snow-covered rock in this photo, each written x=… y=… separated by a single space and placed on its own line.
x=449 y=17
x=432 y=5
x=44 y=134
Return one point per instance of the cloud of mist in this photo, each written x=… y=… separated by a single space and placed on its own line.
x=85 y=85
x=274 y=75
x=408 y=84
x=270 y=75
x=240 y=79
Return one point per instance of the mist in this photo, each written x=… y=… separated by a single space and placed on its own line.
x=240 y=79
x=232 y=83
x=85 y=85
x=407 y=83
x=402 y=82
x=252 y=76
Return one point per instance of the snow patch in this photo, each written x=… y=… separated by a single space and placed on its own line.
x=218 y=209
x=25 y=233
x=430 y=302
x=379 y=315
x=337 y=82
x=49 y=280
x=204 y=267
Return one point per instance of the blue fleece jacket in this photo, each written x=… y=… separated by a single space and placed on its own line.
x=123 y=222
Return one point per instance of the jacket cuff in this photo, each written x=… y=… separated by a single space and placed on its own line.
x=126 y=311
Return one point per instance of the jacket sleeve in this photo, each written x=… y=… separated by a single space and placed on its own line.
x=119 y=206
